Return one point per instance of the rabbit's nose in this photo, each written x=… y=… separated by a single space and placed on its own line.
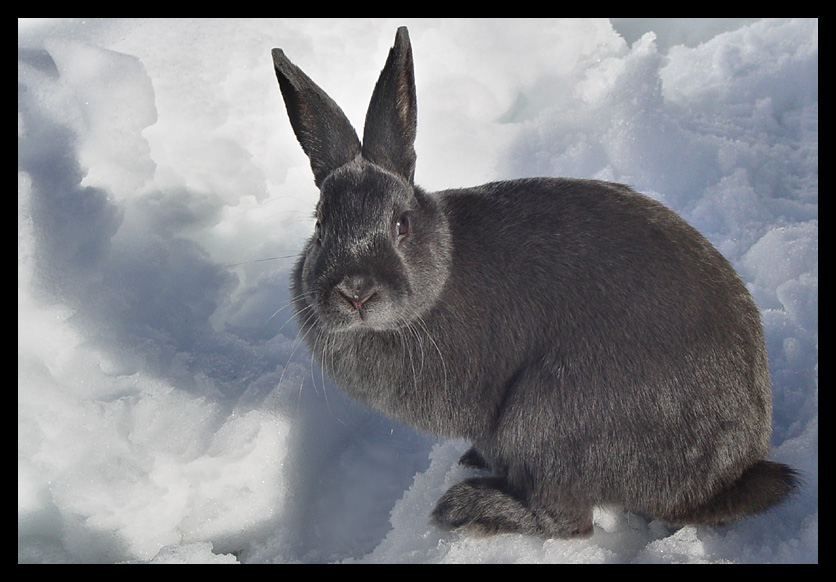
x=357 y=290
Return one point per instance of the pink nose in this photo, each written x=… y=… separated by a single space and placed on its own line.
x=355 y=300
x=356 y=290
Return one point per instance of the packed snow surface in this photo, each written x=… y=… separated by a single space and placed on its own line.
x=166 y=411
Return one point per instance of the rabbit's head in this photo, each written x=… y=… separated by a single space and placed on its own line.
x=380 y=253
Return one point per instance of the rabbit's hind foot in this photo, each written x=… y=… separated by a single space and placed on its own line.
x=483 y=507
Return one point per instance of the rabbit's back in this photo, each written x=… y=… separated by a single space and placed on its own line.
x=639 y=271
x=647 y=349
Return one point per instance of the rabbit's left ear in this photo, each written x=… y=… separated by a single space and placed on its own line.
x=389 y=134
x=320 y=125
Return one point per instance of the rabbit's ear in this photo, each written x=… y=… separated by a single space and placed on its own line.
x=389 y=133
x=320 y=125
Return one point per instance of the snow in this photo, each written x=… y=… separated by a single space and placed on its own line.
x=166 y=411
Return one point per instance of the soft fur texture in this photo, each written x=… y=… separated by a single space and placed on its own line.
x=594 y=347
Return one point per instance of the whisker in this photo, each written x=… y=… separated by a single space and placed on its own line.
x=232 y=265
x=302 y=378
x=313 y=376
x=289 y=303
x=407 y=348
x=418 y=341
x=299 y=340
x=323 y=371
x=423 y=325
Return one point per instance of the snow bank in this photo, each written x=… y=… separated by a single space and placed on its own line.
x=166 y=411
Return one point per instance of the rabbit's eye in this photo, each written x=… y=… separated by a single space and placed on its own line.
x=318 y=233
x=402 y=226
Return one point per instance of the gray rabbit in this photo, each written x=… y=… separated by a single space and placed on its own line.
x=593 y=347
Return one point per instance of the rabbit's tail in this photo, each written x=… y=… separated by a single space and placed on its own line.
x=759 y=488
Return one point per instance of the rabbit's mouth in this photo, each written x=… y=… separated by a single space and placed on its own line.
x=369 y=309
x=357 y=291
x=359 y=301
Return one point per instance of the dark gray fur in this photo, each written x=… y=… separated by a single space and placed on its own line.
x=593 y=347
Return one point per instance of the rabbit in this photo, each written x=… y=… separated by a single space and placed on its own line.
x=594 y=348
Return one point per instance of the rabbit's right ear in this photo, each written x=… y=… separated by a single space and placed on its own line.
x=321 y=127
